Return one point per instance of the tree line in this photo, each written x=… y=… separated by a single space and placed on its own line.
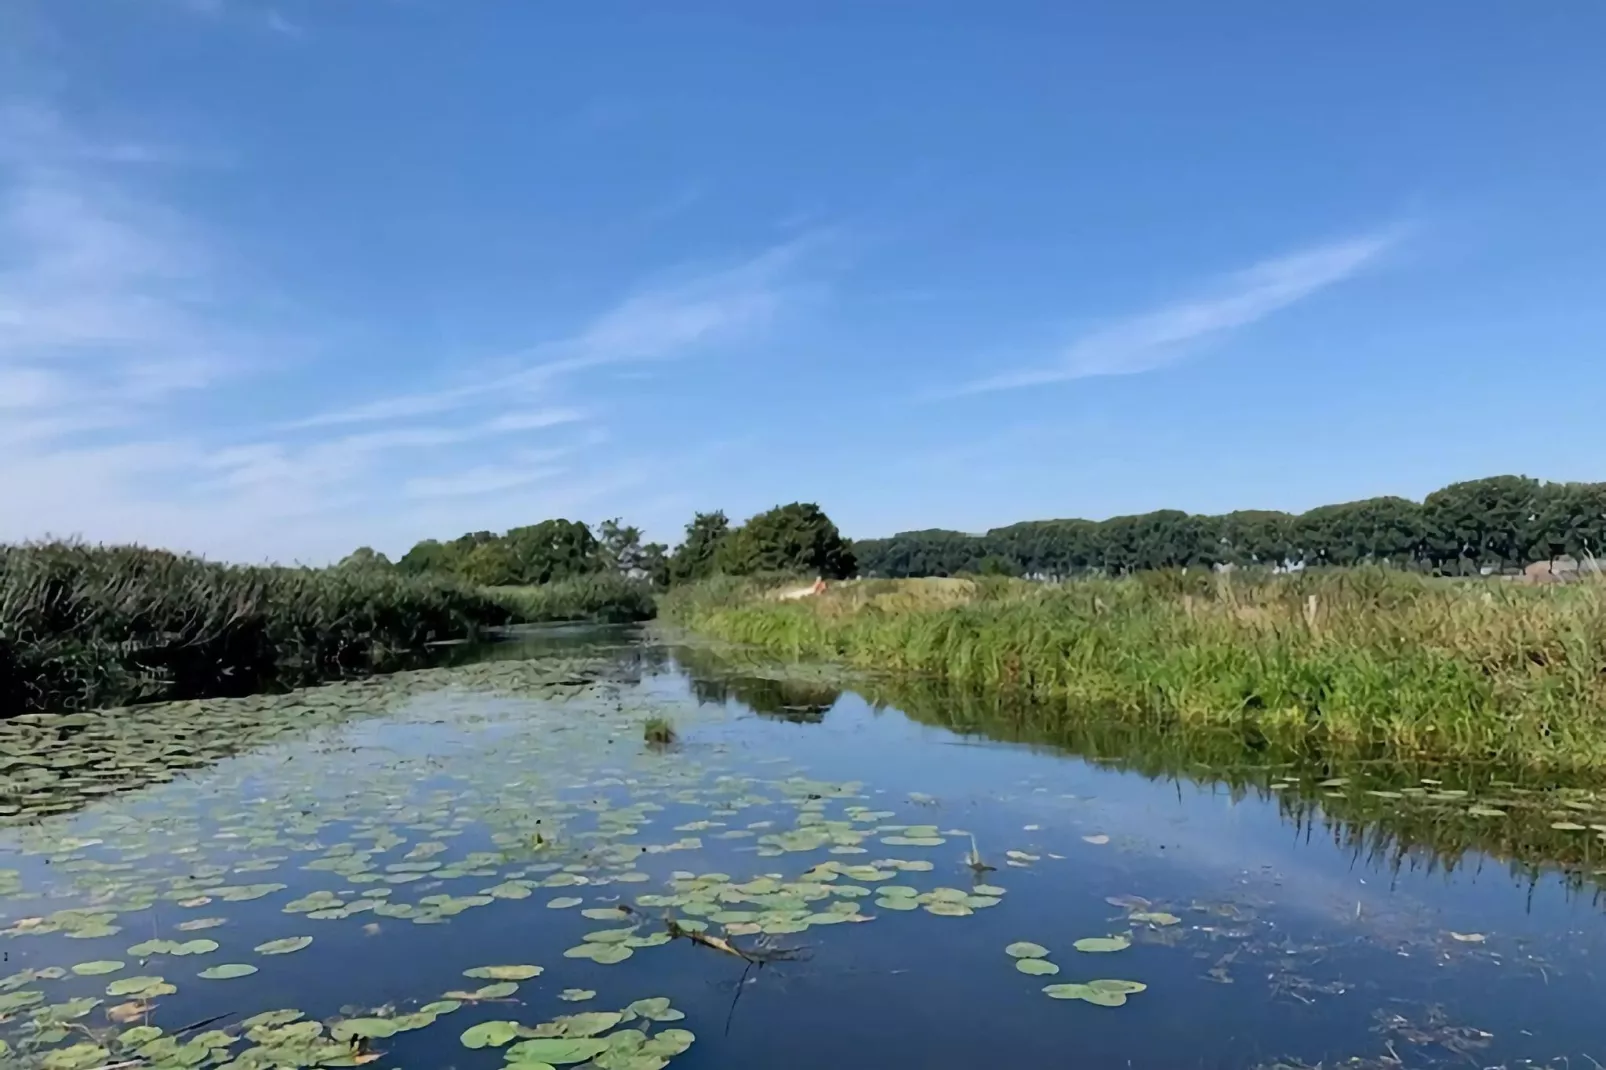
x=1502 y=522
x=797 y=538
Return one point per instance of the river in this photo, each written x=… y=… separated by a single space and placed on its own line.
x=494 y=868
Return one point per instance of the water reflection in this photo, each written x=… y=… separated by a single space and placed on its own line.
x=1387 y=812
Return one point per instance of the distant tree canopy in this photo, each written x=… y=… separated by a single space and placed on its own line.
x=694 y=557
x=788 y=538
x=1501 y=522
x=537 y=553
x=365 y=557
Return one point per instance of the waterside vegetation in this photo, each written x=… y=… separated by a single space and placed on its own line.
x=84 y=626
x=1341 y=660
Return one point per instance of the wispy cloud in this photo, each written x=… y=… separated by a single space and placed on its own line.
x=127 y=334
x=1171 y=333
x=694 y=311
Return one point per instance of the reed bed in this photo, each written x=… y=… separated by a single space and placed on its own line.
x=1358 y=659
x=88 y=626
x=606 y=597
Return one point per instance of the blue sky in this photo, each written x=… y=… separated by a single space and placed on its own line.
x=283 y=277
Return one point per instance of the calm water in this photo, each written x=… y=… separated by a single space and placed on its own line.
x=432 y=823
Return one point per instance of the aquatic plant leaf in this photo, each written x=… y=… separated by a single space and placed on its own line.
x=196 y=924
x=670 y=1042
x=16 y=1001
x=590 y=1023
x=490 y=1034
x=1025 y=949
x=656 y=1009
x=1036 y=967
x=1154 y=917
x=576 y=995
x=946 y=909
x=503 y=973
x=1098 y=840
x=144 y=987
x=563 y=902
x=366 y=1029
x=606 y=954
x=95 y=969
x=1100 y=944
x=898 y=903
x=227 y=971
x=556 y=1051
x=284 y=946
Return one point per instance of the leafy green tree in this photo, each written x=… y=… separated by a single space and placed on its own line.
x=430 y=555
x=788 y=538
x=365 y=557
x=491 y=564
x=696 y=557
x=1571 y=520
x=554 y=550
x=1482 y=522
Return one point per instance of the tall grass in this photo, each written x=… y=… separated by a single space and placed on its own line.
x=606 y=596
x=1358 y=659
x=86 y=626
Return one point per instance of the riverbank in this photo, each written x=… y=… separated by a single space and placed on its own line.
x=1342 y=660
x=83 y=627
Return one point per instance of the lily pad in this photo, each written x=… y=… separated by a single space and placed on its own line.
x=656 y=1009
x=1154 y=917
x=1036 y=967
x=143 y=987
x=555 y=1051
x=366 y=1028
x=590 y=1023
x=284 y=946
x=95 y=969
x=669 y=1043
x=577 y=995
x=228 y=971
x=503 y=973
x=1100 y=944
x=604 y=954
x=490 y=1035
x=563 y=902
x=1025 y=949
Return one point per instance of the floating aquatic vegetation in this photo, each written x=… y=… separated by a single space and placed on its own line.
x=227 y=971
x=1100 y=944
x=1036 y=967
x=284 y=946
x=503 y=973
x=93 y=969
x=1103 y=993
x=1025 y=949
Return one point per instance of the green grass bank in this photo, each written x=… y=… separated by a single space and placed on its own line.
x=1349 y=661
x=83 y=627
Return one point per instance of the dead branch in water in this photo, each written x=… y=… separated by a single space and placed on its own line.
x=754 y=956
